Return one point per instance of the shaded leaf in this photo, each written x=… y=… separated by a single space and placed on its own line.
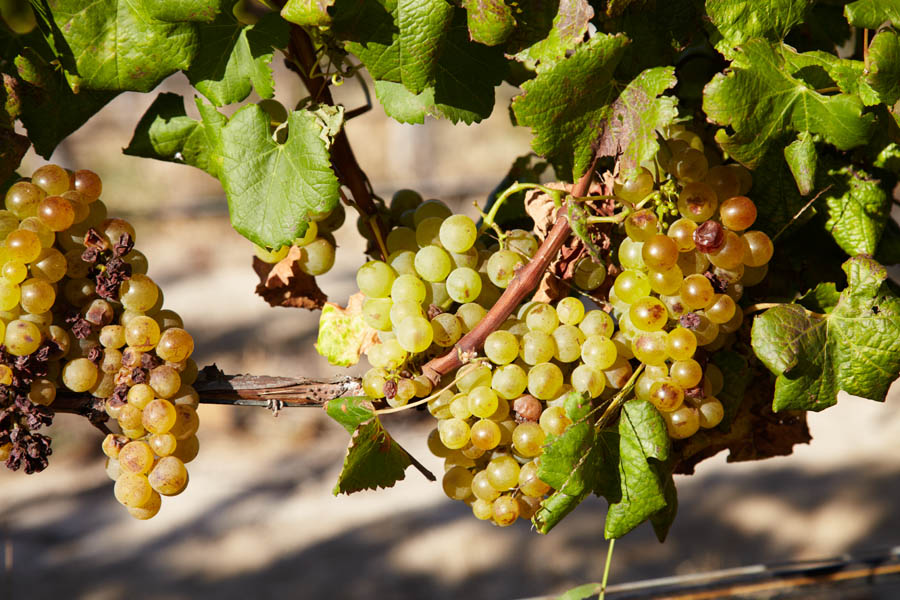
x=801 y=160
x=855 y=348
x=12 y=148
x=872 y=14
x=821 y=299
x=884 y=66
x=736 y=376
x=776 y=195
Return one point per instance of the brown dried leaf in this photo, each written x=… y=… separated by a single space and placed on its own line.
x=284 y=284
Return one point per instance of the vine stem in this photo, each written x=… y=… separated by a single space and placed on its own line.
x=609 y=555
x=525 y=280
x=488 y=220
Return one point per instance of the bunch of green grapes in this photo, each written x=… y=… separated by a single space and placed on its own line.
x=681 y=281
x=78 y=311
x=317 y=246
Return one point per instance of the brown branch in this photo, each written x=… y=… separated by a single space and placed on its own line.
x=525 y=280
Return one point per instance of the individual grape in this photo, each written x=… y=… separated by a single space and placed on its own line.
x=22 y=199
x=509 y=381
x=454 y=432
x=697 y=202
x=680 y=344
x=472 y=376
x=53 y=179
x=446 y=330
x=666 y=395
x=648 y=314
x=458 y=233
x=483 y=402
x=50 y=265
x=502 y=473
x=34 y=225
x=597 y=322
x=42 y=392
x=499 y=416
x=697 y=292
x=470 y=314
x=112 y=444
x=598 y=352
x=375 y=278
x=737 y=213
x=758 y=249
x=542 y=317
x=635 y=188
x=482 y=509
x=56 y=213
x=408 y=288
x=570 y=311
x=431 y=209
x=721 y=310
x=165 y=381
x=544 y=381
x=36 y=295
x=175 y=345
x=521 y=242
x=689 y=165
x=501 y=347
x=23 y=246
x=554 y=420
x=463 y=285
x=136 y=457
x=734 y=323
x=169 y=477
x=404 y=200
x=159 y=416
x=705 y=330
x=588 y=274
x=732 y=253
x=404 y=309
x=428 y=232
x=687 y=373
x=433 y=263
x=14 y=272
x=631 y=255
x=317 y=257
x=406 y=390
x=568 y=340
x=660 y=252
x=692 y=262
x=459 y=407
x=139 y=293
x=537 y=347
x=130 y=417
x=168 y=319
x=588 y=380
x=682 y=423
x=641 y=225
x=485 y=434
x=133 y=490
x=530 y=483
x=149 y=510
x=439 y=406
x=140 y=395
x=631 y=285
x=113 y=470
x=469 y=259
x=403 y=262
x=619 y=373
x=114 y=229
x=142 y=333
x=482 y=487
x=501 y=267
x=401 y=238
x=187 y=450
x=527 y=408
x=666 y=282
x=528 y=439
x=650 y=347
x=682 y=233
x=79 y=375
x=723 y=180
x=710 y=412
x=457 y=483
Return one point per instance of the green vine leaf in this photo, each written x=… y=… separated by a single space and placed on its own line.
x=735 y=22
x=308 y=13
x=233 y=60
x=165 y=132
x=117 y=44
x=801 y=159
x=855 y=347
x=761 y=100
x=177 y=11
x=565 y=33
x=884 y=66
x=374 y=460
x=490 y=22
x=776 y=195
x=872 y=14
x=857 y=207
x=275 y=188
x=565 y=104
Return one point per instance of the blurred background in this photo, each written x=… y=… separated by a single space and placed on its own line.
x=258 y=519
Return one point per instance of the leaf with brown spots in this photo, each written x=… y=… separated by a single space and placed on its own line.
x=343 y=333
x=284 y=284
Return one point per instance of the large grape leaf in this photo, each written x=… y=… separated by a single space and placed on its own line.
x=119 y=44
x=825 y=70
x=565 y=33
x=275 y=188
x=165 y=132
x=629 y=132
x=872 y=14
x=761 y=100
x=857 y=207
x=855 y=347
x=176 y=11
x=397 y=40
x=735 y=22
x=883 y=74
x=641 y=446
x=566 y=104
x=463 y=87
x=234 y=59
x=374 y=460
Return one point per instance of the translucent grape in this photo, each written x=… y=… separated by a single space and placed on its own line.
x=710 y=412
x=568 y=340
x=680 y=344
x=641 y=225
x=22 y=337
x=454 y=432
x=53 y=179
x=414 y=334
x=431 y=209
x=692 y=262
x=541 y=317
x=648 y=314
x=472 y=376
x=404 y=200
x=23 y=246
x=317 y=257
x=175 y=345
x=403 y=262
x=42 y=392
x=482 y=487
x=458 y=233
x=433 y=263
x=635 y=188
x=521 y=242
x=667 y=282
x=697 y=202
x=734 y=323
x=428 y=232
x=660 y=252
x=502 y=473
x=528 y=439
x=14 y=272
x=631 y=255
x=721 y=310
x=737 y=213
x=136 y=457
x=597 y=322
x=650 y=347
x=483 y=402
x=697 y=292
x=682 y=423
x=619 y=373
x=598 y=352
x=142 y=333
x=133 y=490
x=529 y=482
x=544 y=380
x=459 y=407
x=682 y=233
x=509 y=381
x=501 y=347
x=138 y=293
x=687 y=373
x=169 y=477
x=485 y=434
x=588 y=274
x=401 y=238
x=446 y=330
x=689 y=165
x=587 y=379
x=706 y=331
x=148 y=510
x=631 y=285
x=408 y=288
x=723 y=180
x=22 y=199
x=732 y=253
x=501 y=267
x=375 y=278
x=666 y=395
x=759 y=249
x=505 y=510
x=457 y=483
x=463 y=285
x=50 y=265
x=470 y=314
x=56 y=213
x=36 y=295
x=570 y=311
x=754 y=275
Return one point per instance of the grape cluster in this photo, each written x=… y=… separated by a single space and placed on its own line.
x=317 y=246
x=78 y=311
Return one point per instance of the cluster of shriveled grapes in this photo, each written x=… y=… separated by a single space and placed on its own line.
x=681 y=281
x=77 y=311
x=317 y=246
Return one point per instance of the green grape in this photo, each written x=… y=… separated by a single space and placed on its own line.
x=414 y=334
x=501 y=267
x=660 y=252
x=618 y=374
x=522 y=242
x=470 y=314
x=138 y=293
x=754 y=275
x=598 y=352
x=758 y=249
x=22 y=199
x=175 y=345
x=169 y=477
x=408 y=288
x=631 y=285
x=648 y=314
x=537 y=347
x=36 y=295
x=666 y=395
x=317 y=257
x=568 y=340
x=485 y=434
x=23 y=246
x=142 y=333
x=133 y=490
x=53 y=179
x=588 y=274
x=650 y=347
x=458 y=233
x=482 y=487
x=502 y=473
x=667 y=282
x=187 y=450
x=404 y=200
x=377 y=313
x=482 y=509
x=403 y=309
x=469 y=259
x=311 y=233
x=542 y=317
x=509 y=381
x=446 y=329
x=463 y=284
x=433 y=263
x=14 y=272
x=631 y=255
x=454 y=432
x=570 y=311
x=744 y=177
x=42 y=392
x=711 y=412
x=544 y=381
x=721 y=310
x=431 y=209
x=373 y=383
x=642 y=386
x=501 y=347
x=436 y=446
x=588 y=380
x=597 y=322
x=689 y=165
x=528 y=439
x=403 y=262
x=459 y=407
x=680 y=344
x=375 y=278
x=641 y=225
x=682 y=233
x=472 y=376
x=22 y=338
x=732 y=253
x=697 y=202
x=530 y=483
x=483 y=401
x=401 y=238
x=635 y=188
x=686 y=373
x=44 y=233
x=428 y=232
x=499 y=416
x=697 y=292
x=682 y=423
x=457 y=483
